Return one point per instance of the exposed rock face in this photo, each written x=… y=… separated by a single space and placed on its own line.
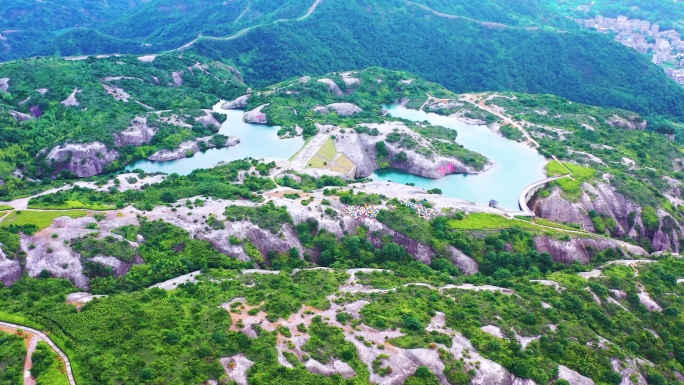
x=571 y=376
x=632 y=123
x=333 y=88
x=188 y=148
x=83 y=159
x=236 y=104
x=58 y=258
x=208 y=120
x=605 y=200
x=10 y=270
x=4 y=84
x=577 y=249
x=117 y=93
x=20 y=117
x=137 y=134
x=71 y=101
x=321 y=110
x=333 y=367
x=256 y=116
x=345 y=109
x=236 y=367
x=361 y=149
x=177 y=78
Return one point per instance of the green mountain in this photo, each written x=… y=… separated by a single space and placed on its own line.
x=528 y=46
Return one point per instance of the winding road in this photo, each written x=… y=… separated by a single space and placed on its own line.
x=40 y=336
x=242 y=32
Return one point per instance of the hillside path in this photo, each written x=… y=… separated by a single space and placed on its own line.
x=40 y=336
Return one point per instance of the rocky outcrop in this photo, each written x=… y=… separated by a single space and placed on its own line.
x=603 y=199
x=117 y=93
x=361 y=149
x=321 y=110
x=333 y=88
x=345 y=109
x=10 y=269
x=236 y=104
x=20 y=117
x=83 y=159
x=631 y=123
x=137 y=134
x=208 y=120
x=4 y=84
x=71 y=101
x=576 y=249
x=236 y=367
x=177 y=78
x=571 y=376
x=255 y=116
x=189 y=148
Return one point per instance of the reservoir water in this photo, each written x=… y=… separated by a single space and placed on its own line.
x=517 y=165
x=256 y=140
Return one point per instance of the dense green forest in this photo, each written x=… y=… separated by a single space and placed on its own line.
x=460 y=54
x=525 y=46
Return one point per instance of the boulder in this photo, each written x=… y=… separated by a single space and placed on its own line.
x=208 y=120
x=83 y=159
x=631 y=123
x=10 y=269
x=137 y=134
x=20 y=117
x=236 y=104
x=571 y=376
x=177 y=78
x=345 y=109
x=333 y=88
x=255 y=116
x=189 y=147
x=4 y=84
x=321 y=110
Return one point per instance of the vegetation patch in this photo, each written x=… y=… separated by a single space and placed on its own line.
x=32 y=221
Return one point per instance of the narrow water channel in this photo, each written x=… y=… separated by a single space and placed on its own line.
x=256 y=140
x=517 y=165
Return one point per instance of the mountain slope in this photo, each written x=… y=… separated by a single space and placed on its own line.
x=461 y=54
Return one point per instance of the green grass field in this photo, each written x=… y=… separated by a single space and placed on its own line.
x=6 y=208
x=555 y=168
x=485 y=221
x=71 y=205
x=42 y=219
x=572 y=187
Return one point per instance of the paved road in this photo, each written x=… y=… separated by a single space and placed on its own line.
x=53 y=346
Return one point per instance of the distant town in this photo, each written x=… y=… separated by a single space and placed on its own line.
x=666 y=47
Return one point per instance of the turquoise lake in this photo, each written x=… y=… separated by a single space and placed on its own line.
x=256 y=140
x=517 y=165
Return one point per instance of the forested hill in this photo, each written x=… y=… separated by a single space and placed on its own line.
x=526 y=46
x=462 y=54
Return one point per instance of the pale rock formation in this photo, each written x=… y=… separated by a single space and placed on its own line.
x=137 y=134
x=344 y=109
x=10 y=269
x=83 y=159
x=71 y=101
x=333 y=88
x=255 y=116
x=4 y=84
x=571 y=376
x=236 y=104
x=20 y=117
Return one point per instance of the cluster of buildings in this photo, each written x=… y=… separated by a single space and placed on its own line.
x=666 y=47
